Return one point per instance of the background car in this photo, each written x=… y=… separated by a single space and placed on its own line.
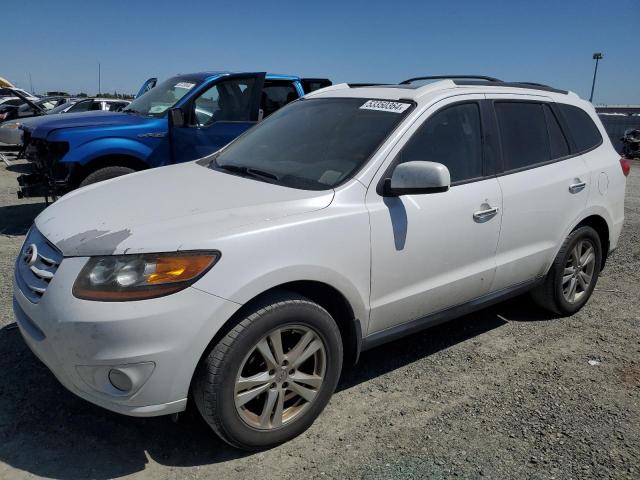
x=29 y=108
x=11 y=133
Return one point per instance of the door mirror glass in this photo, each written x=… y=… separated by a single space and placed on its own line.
x=176 y=117
x=418 y=177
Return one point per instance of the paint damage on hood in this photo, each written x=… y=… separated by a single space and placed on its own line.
x=180 y=207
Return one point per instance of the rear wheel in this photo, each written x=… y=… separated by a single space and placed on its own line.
x=105 y=173
x=573 y=275
x=268 y=379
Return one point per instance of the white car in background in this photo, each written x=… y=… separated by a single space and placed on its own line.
x=353 y=216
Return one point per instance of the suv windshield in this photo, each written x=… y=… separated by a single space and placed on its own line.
x=312 y=144
x=162 y=97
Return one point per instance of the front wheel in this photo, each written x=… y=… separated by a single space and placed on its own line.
x=573 y=275
x=268 y=379
x=105 y=173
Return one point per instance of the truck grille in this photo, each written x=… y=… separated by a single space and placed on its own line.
x=36 y=265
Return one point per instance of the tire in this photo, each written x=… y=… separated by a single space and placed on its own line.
x=552 y=293
x=105 y=173
x=291 y=318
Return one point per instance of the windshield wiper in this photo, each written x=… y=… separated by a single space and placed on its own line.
x=248 y=171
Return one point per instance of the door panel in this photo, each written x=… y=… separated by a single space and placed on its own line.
x=429 y=252
x=217 y=116
x=538 y=208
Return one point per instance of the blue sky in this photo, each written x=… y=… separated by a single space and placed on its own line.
x=61 y=42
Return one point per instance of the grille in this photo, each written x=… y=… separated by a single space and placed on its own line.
x=36 y=265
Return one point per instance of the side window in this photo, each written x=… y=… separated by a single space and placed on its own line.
x=115 y=106
x=228 y=100
x=96 y=105
x=557 y=140
x=523 y=134
x=453 y=137
x=276 y=95
x=82 y=106
x=584 y=132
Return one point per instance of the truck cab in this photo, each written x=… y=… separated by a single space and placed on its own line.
x=183 y=118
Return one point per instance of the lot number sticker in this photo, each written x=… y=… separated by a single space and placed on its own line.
x=385 y=106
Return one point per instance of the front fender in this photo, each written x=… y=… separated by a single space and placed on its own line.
x=315 y=273
x=102 y=147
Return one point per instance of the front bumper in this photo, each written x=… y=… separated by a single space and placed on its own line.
x=82 y=341
x=50 y=177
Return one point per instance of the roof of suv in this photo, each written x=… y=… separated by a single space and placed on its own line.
x=420 y=92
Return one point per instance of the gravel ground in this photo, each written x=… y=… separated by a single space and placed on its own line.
x=508 y=392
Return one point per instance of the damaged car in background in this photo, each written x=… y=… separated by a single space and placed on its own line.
x=183 y=118
x=11 y=132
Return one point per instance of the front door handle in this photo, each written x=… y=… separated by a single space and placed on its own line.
x=482 y=216
x=577 y=187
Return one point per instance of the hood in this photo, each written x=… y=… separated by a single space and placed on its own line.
x=180 y=207
x=85 y=119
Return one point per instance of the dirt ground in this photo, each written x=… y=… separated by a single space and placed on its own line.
x=508 y=392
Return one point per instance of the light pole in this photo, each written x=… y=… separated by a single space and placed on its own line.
x=597 y=57
x=99 y=86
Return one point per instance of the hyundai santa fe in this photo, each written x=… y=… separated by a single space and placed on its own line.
x=245 y=280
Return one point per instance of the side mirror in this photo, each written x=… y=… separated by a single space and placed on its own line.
x=417 y=177
x=176 y=117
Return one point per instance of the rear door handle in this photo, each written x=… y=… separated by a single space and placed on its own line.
x=482 y=216
x=577 y=187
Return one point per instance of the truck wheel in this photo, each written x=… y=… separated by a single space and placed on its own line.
x=573 y=274
x=105 y=174
x=271 y=375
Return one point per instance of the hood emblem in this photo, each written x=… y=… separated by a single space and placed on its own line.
x=30 y=255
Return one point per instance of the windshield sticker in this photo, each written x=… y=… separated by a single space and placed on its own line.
x=186 y=85
x=385 y=106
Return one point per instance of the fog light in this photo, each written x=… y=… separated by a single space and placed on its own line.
x=116 y=380
x=120 y=380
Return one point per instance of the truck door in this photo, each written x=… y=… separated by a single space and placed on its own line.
x=146 y=86
x=217 y=115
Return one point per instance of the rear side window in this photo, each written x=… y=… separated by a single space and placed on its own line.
x=453 y=137
x=584 y=132
x=523 y=134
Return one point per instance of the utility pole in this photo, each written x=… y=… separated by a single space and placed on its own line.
x=31 y=84
x=597 y=57
x=99 y=86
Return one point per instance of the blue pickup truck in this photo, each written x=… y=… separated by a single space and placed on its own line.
x=183 y=118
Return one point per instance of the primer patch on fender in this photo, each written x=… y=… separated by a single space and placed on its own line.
x=385 y=106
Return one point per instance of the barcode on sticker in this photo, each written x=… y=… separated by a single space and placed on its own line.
x=385 y=106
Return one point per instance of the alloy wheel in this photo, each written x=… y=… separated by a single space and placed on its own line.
x=280 y=377
x=578 y=271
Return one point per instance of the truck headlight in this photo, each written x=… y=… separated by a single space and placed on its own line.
x=119 y=278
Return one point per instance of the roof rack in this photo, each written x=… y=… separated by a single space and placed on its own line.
x=451 y=77
x=530 y=85
x=486 y=81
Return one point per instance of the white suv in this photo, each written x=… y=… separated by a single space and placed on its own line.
x=351 y=217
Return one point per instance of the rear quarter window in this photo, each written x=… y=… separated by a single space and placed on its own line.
x=584 y=132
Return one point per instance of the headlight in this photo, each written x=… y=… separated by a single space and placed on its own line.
x=120 y=278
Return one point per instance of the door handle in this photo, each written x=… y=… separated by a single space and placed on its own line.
x=482 y=216
x=577 y=187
